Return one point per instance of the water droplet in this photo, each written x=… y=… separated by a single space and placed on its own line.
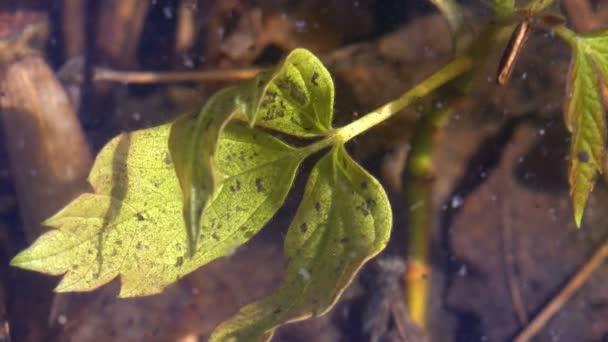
x=456 y=201
x=463 y=271
x=168 y=12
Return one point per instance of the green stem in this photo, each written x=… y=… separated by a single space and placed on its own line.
x=449 y=72
x=452 y=70
x=418 y=181
x=566 y=34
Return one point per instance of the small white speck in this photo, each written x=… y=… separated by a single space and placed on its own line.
x=416 y=205
x=463 y=271
x=541 y=132
x=456 y=201
x=136 y=116
x=304 y=273
x=62 y=319
x=524 y=76
x=300 y=25
x=168 y=12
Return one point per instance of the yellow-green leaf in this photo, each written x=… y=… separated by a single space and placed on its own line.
x=344 y=220
x=596 y=45
x=132 y=225
x=297 y=97
x=585 y=119
x=193 y=144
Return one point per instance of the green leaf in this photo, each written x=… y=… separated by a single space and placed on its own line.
x=585 y=119
x=193 y=144
x=344 y=220
x=132 y=225
x=596 y=45
x=297 y=97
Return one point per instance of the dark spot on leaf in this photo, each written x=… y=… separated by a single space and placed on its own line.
x=259 y=185
x=249 y=234
x=244 y=228
x=363 y=185
x=119 y=242
x=303 y=228
x=139 y=245
x=114 y=252
x=179 y=261
x=282 y=104
x=315 y=78
x=74 y=267
x=370 y=203
x=238 y=209
x=89 y=251
x=277 y=311
x=167 y=159
x=318 y=206
x=215 y=237
x=363 y=209
x=583 y=156
x=269 y=98
x=140 y=217
x=293 y=90
x=344 y=240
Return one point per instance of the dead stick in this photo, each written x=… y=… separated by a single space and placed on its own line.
x=560 y=299
x=109 y=75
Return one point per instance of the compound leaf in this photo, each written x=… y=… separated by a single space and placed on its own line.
x=585 y=119
x=344 y=220
x=132 y=225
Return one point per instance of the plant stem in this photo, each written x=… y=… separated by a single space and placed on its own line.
x=452 y=70
x=341 y=135
x=418 y=178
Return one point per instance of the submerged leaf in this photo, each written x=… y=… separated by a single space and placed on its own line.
x=297 y=97
x=193 y=144
x=132 y=225
x=585 y=119
x=344 y=220
x=294 y=98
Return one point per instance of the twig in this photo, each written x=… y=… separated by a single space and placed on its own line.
x=109 y=75
x=596 y=260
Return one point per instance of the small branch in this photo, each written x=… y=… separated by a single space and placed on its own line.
x=578 y=280
x=144 y=77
